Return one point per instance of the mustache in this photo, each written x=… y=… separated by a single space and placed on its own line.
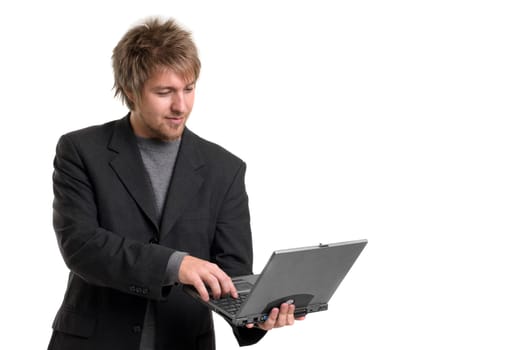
x=177 y=114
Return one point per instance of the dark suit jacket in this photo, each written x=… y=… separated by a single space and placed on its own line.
x=105 y=221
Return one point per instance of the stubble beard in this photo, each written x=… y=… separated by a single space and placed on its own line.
x=166 y=132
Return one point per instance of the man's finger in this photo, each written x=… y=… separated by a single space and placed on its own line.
x=201 y=289
x=271 y=321
x=229 y=288
x=214 y=285
x=225 y=282
x=282 y=319
x=290 y=317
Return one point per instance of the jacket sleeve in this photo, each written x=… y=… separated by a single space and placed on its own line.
x=99 y=256
x=232 y=248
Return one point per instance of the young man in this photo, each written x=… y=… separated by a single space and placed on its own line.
x=143 y=205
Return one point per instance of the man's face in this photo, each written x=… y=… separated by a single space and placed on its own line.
x=166 y=102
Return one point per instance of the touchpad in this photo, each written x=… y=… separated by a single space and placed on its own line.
x=242 y=286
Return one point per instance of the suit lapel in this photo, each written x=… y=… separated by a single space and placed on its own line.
x=128 y=166
x=185 y=183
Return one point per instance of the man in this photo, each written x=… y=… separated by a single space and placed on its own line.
x=143 y=205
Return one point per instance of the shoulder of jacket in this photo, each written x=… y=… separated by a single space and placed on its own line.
x=213 y=151
x=91 y=131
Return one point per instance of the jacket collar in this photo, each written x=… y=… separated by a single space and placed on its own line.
x=185 y=182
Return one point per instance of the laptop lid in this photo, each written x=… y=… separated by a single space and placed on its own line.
x=306 y=277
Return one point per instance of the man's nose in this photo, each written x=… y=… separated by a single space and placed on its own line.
x=178 y=104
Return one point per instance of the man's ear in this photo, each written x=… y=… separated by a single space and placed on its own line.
x=131 y=96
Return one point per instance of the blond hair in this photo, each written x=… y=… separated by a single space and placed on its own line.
x=150 y=46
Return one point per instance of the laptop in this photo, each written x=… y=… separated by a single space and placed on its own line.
x=306 y=277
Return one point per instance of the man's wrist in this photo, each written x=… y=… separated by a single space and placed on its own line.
x=173 y=267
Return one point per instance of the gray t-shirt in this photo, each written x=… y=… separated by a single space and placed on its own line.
x=159 y=158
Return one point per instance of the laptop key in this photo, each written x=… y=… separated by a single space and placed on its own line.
x=230 y=304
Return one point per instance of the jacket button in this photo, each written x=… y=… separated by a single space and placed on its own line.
x=136 y=329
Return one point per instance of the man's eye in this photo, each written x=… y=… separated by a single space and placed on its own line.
x=189 y=88
x=162 y=93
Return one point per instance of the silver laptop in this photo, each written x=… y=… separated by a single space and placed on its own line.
x=306 y=277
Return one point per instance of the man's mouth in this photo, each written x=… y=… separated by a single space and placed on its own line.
x=177 y=120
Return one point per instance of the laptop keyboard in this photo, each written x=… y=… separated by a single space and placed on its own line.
x=230 y=304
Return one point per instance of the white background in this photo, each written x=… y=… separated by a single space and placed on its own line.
x=403 y=122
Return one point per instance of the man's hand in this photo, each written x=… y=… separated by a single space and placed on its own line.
x=278 y=318
x=202 y=274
